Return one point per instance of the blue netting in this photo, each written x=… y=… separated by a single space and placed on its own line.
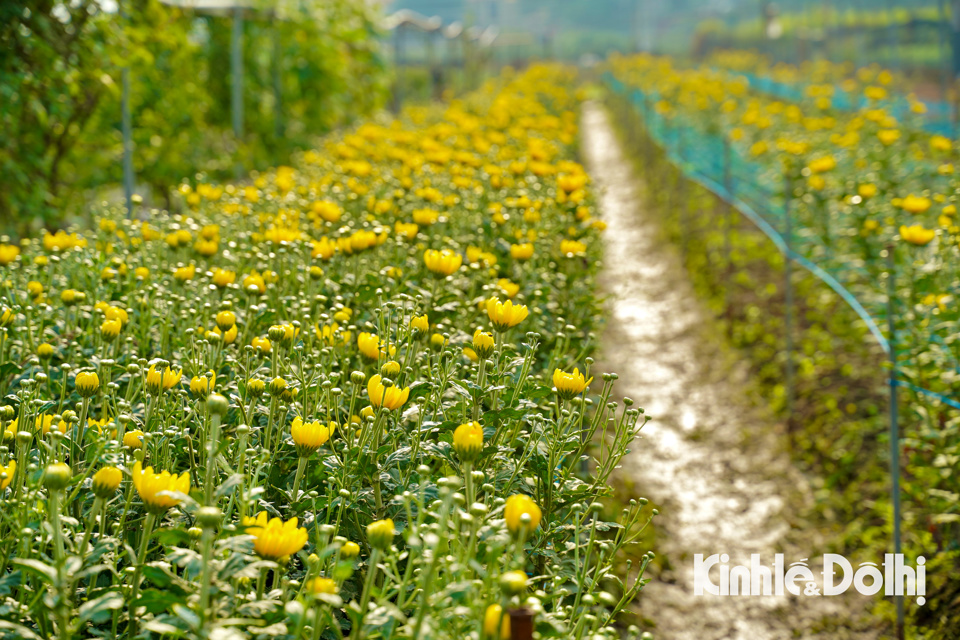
x=757 y=192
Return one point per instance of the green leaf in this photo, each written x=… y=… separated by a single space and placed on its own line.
x=19 y=630
x=10 y=368
x=42 y=569
x=98 y=609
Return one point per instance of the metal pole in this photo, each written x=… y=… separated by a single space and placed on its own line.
x=277 y=64
x=788 y=295
x=398 y=68
x=894 y=420
x=682 y=195
x=432 y=67
x=127 y=129
x=727 y=224
x=236 y=85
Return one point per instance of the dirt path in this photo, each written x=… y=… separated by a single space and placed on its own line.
x=707 y=459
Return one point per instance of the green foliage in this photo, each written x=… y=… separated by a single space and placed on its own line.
x=60 y=94
x=839 y=426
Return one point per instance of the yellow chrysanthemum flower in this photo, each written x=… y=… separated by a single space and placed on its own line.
x=388 y=397
x=274 y=538
x=156 y=489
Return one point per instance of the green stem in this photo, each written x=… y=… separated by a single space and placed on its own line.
x=357 y=632
x=138 y=571
x=301 y=467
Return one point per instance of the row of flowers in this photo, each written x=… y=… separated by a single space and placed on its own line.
x=872 y=199
x=346 y=397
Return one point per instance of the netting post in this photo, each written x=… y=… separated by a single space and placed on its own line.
x=397 y=98
x=648 y=154
x=276 y=64
x=236 y=84
x=727 y=224
x=681 y=205
x=127 y=128
x=788 y=296
x=894 y=420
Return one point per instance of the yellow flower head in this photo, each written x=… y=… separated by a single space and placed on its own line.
x=390 y=369
x=443 y=262
x=255 y=280
x=505 y=315
x=43 y=423
x=185 y=273
x=521 y=251
x=225 y=320
x=468 y=441
x=223 y=278
x=380 y=534
x=87 y=383
x=284 y=333
x=369 y=345
x=420 y=323
x=7 y=316
x=9 y=471
x=8 y=253
x=106 y=482
x=509 y=288
x=133 y=439
x=572 y=248
x=483 y=343
x=388 y=397
x=319 y=586
x=822 y=165
x=274 y=538
x=155 y=489
x=493 y=620
x=867 y=190
x=262 y=343
x=159 y=381
x=229 y=336
x=110 y=329
x=917 y=234
x=569 y=384
x=310 y=436
x=332 y=335
x=518 y=506
x=915 y=204
x=202 y=386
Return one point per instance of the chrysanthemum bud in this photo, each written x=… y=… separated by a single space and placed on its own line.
x=217 y=404
x=391 y=368
x=106 y=481
x=209 y=517
x=255 y=387
x=513 y=582
x=380 y=534
x=276 y=333
x=277 y=386
x=57 y=476
x=225 y=320
x=468 y=441
x=87 y=383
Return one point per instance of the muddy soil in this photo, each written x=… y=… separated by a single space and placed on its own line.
x=714 y=465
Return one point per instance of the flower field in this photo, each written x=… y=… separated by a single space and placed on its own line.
x=344 y=398
x=861 y=191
